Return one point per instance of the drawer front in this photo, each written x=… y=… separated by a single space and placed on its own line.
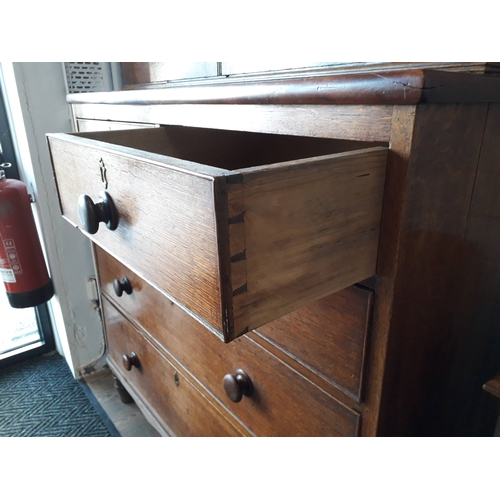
x=236 y=241
x=284 y=402
x=167 y=227
x=329 y=337
x=182 y=409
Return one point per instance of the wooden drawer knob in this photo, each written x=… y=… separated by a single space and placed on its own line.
x=130 y=360
x=92 y=213
x=238 y=385
x=122 y=286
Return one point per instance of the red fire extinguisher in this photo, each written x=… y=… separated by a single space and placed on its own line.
x=22 y=265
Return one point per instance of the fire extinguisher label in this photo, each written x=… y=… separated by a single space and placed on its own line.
x=8 y=275
x=11 y=266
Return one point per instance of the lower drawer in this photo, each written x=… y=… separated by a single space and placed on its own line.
x=328 y=337
x=284 y=403
x=181 y=409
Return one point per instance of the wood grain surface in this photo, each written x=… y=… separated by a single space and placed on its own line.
x=440 y=175
x=167 y=227
x=100 y=125
x=394 y=87
x=329 y=337
x=348 y=122
x=311 y=228
x=387 y=265
x=136 y=75
x=476 y=315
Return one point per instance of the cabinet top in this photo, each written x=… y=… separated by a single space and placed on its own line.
x=375 y=87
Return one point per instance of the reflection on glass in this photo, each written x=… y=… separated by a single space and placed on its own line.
x=18 y=327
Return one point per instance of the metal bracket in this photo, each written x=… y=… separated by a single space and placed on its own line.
x=92 y=290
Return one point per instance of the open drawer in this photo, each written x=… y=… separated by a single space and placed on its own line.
x=237 y=228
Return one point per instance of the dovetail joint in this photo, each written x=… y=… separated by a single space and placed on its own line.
x=237 y=218
x=240 y=290
x=237 y=257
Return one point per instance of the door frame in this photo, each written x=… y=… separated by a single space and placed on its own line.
x=35 y=94
x=43 y=321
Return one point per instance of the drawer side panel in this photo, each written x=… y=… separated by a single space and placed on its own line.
x=311 y=229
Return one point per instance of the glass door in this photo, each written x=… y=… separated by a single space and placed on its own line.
x=24 y=333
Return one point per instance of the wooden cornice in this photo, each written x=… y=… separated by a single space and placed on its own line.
x=378 y=87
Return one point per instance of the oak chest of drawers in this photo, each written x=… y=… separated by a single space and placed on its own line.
x=299 y=257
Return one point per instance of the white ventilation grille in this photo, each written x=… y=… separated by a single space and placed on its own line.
x=88 y=77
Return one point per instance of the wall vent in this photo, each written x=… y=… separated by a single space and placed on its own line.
x=88 y=77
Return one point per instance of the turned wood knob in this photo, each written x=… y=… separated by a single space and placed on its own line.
x=92 y=213
x=238 y=385
x=130 y=360
x=122 y=286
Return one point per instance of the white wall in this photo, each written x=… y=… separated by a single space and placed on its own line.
x=36 y=99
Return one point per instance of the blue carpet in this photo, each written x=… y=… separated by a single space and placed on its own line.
x=40 y=397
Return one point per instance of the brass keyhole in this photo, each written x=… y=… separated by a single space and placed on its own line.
x=176 y=378
x=103 y=173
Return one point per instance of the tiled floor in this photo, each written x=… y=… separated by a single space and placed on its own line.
x=127 y=418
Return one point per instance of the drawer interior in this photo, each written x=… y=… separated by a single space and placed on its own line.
x=226 y=149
